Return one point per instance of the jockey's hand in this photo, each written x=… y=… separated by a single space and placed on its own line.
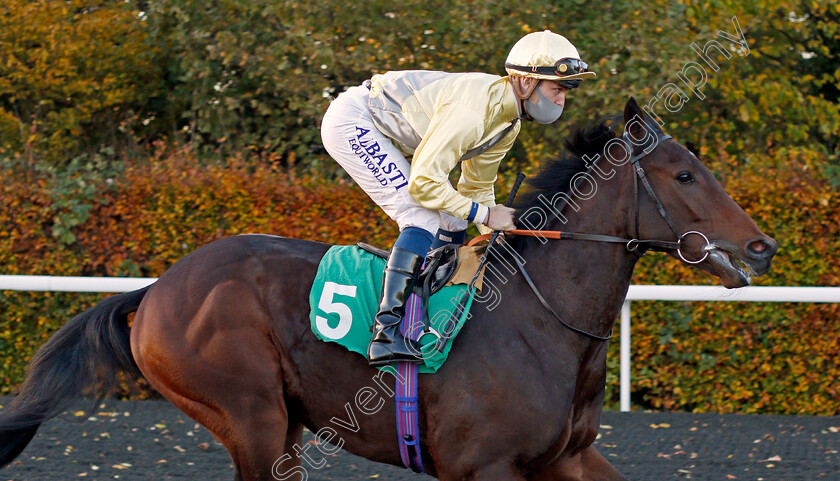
x=501 y=218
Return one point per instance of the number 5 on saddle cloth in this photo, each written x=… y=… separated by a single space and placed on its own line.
x=344 y=299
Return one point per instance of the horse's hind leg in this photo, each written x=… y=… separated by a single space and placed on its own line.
x=221 y=368
x=262 y=447
x=257 y=432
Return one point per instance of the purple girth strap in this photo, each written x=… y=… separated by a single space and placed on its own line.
x=408 y=425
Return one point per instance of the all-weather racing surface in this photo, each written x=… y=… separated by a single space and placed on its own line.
x=153 y=440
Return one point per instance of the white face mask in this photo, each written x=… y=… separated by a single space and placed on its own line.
x=544 y=112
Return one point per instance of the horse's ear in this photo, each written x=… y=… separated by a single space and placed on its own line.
x=631 y=111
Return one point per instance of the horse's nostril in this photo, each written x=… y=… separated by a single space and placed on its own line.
x=761 y=248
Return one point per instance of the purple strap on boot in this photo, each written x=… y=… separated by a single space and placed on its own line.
x=408 y=425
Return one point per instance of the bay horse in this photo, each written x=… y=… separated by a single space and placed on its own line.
x=224 y=334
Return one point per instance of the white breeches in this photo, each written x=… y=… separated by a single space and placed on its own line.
x=376 y=164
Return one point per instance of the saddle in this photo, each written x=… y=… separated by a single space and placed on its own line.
x=441 y=264
x=445 y=266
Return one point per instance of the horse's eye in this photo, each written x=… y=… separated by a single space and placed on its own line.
x=685 y=178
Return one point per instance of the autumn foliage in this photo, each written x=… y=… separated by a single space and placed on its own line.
x=146 y=217
x=724 y=357
x=133 y=132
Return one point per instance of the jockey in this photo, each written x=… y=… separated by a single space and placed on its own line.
x=437 y=120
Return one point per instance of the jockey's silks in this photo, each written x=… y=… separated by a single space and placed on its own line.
x=440 y=119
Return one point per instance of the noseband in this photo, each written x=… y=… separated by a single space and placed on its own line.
x=634 y=245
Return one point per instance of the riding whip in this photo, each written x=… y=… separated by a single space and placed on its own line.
x=466 y=301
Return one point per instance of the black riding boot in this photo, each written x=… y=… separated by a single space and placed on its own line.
x=388 y=344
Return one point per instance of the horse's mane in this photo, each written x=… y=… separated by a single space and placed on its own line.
x=555 y=175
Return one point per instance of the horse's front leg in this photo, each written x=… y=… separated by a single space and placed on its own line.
x=588 y=465
x=501 y=471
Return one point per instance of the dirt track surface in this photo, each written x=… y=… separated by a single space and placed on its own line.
x=153 y=440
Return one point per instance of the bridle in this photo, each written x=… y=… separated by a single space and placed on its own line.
x=634 y=245
x=663 y=246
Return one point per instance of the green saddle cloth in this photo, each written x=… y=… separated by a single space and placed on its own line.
x=345 y=297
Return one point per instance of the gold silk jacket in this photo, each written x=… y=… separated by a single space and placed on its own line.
x=439 y=119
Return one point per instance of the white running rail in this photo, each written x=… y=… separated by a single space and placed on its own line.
x=636 y=293
x=73 y=284
x=706 y=293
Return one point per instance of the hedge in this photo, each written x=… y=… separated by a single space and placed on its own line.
x=142 y=220
x=723 y=357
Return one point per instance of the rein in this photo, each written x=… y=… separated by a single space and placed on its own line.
x=634 y=245
x=631 y=244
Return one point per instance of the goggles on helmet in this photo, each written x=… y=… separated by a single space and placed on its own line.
x=570 y=84
x=562 y=68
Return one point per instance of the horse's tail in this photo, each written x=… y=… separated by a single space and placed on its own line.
x=85 y=356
